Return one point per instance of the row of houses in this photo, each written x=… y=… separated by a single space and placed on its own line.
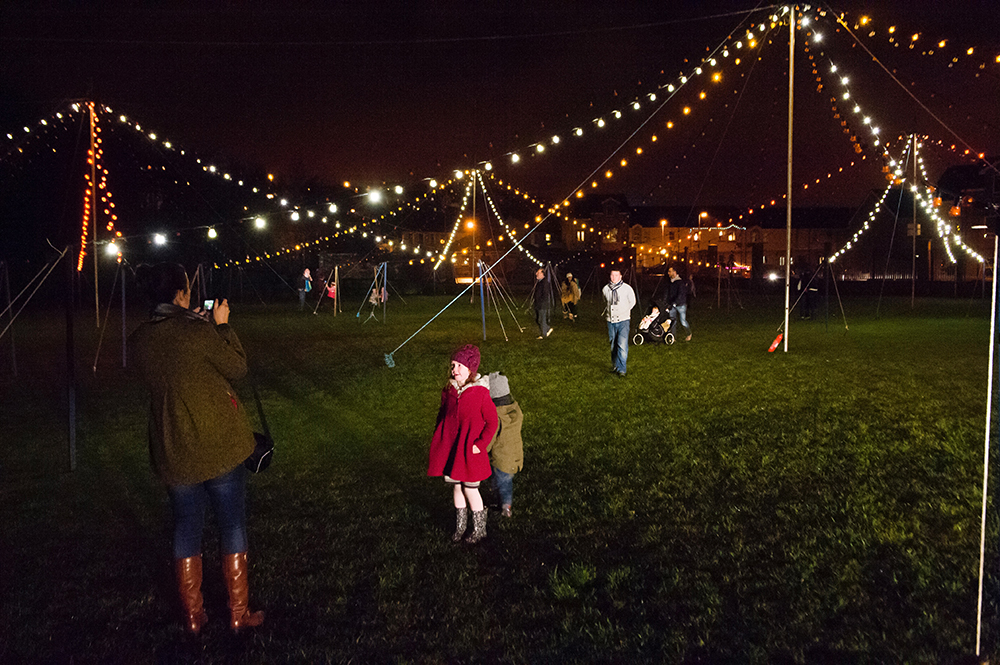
x=751 y=244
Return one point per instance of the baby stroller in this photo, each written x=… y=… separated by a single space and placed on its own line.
x=652 y=331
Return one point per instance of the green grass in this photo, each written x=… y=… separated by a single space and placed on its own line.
x=719 y=504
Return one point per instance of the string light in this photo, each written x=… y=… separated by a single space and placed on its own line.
x=922 y=194
x=511 y=233
x=97 y=196
x=458 y=222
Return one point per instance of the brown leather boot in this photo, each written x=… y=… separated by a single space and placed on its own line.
x=189 y=587
x=234 y=569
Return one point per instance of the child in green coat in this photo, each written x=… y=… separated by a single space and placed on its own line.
x=507 y=450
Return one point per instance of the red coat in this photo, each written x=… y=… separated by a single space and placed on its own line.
x=466 y=423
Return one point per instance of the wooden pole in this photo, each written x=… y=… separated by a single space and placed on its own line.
x=124 y=333
x=70 y=365
x=718 y=285
x=10 y=311
x=913 y=192
x=986 y=446
x=788 y=207
x=94 y=208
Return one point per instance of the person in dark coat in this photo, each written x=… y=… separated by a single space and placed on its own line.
x=466 y=424
x=304 y=286
x=673 y=300
x=545 y=300
x=199 y=434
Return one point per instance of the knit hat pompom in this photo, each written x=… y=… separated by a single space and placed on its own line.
x=499 y=386
x=468 y=355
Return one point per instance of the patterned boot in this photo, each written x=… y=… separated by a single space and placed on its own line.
x=461 y=523
x=478 y=526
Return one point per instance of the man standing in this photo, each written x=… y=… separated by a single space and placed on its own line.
x=304 y=286
x=677 y=299
x=619 y=299
x=544 y=301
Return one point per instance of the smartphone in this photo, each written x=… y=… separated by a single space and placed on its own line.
x=208 y=305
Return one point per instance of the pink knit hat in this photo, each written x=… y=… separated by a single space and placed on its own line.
x=468 y=355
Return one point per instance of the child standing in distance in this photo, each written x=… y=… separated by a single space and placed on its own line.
x=466 y=423
x=507 y=450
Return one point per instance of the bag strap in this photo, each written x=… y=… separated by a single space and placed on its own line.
x=260 y=406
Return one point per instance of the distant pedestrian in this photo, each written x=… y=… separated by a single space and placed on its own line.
x=304 y=286
x=545 y=300
x=507 y=450
x=570 y=296
x=803 y=290
x=199 y=434
x=466 y=424
x=619 y=299
x=678 y=292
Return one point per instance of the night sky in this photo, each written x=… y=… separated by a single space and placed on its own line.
x=385 y=92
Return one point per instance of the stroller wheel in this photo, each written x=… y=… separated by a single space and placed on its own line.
x=668 y=339
x=638 y=339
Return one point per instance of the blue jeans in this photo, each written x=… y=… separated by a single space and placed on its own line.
x=618 y=336
x=679 y=312
x=504 y=482
x=227 y=494
x=302 y=298
x=542 y=319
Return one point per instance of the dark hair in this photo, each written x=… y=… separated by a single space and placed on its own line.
x=161 y=281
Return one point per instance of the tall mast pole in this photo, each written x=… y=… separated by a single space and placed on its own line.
x=913 y=192
x=94 y=207
x=788 y=208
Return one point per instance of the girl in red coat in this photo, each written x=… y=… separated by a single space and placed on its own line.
x=466 y=423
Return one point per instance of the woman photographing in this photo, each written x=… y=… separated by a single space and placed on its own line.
x=199 y=435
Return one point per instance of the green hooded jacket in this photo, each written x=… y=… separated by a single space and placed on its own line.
x=507 y=449
x=198 y=429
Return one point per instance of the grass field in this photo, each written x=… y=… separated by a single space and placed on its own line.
x=720 y=504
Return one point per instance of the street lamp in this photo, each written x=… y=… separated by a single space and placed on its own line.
x=663 y=223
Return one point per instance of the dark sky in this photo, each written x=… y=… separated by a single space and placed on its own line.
x=395 y=92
